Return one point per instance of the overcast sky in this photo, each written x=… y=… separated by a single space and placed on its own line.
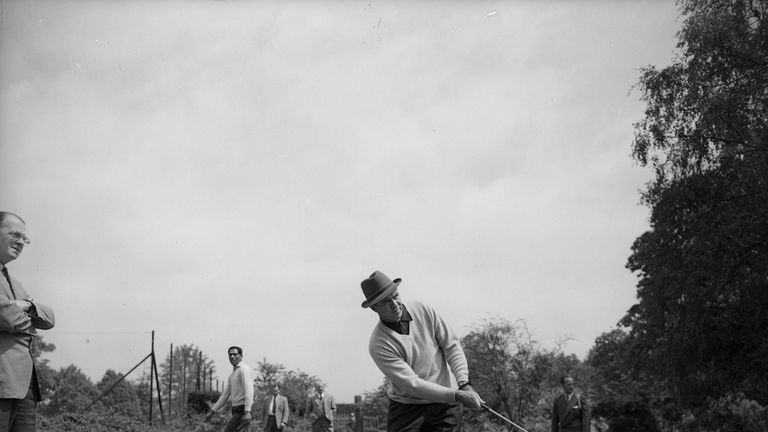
x=227 y=172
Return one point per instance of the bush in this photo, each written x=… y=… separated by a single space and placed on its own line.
x=89 y=422
x=94 y=422
x=198 y=401
x=629 y=416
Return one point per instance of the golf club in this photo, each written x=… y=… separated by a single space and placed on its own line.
x=503 y=418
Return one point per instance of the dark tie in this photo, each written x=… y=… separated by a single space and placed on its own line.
x=8 y=278
x=274 y=404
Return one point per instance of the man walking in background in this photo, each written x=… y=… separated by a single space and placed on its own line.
x=275 y=414
x=321 y=408
x=417 y=351
x=238 y=391
x=570 y=412
x=20 y=318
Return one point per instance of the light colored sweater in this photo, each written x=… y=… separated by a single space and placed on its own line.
x=417 y=364
x=238 y=390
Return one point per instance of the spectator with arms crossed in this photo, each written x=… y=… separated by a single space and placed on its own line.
x=20 y=318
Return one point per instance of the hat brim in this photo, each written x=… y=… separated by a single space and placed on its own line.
x=389 y=289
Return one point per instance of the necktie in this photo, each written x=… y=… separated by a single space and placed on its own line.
x=274 y=406
x=8 y=278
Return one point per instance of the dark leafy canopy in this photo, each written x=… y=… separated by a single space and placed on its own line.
x=624 y=395
x=701 y=321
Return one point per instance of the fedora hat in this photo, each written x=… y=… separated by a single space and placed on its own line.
x=377 y=287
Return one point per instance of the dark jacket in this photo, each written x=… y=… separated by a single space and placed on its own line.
x=570 y=415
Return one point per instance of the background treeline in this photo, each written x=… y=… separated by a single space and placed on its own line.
x=186 y=387
x=690 y=355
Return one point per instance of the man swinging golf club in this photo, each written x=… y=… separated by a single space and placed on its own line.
x=414 y=348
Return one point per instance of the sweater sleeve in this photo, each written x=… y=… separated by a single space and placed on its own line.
x=223 y=398
x=248 y=387
x=399 y=372
x=451 y=345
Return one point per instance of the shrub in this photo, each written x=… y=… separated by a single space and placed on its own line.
x=198 y=401
x=89 y=422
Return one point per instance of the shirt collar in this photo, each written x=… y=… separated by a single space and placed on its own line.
x=404 y=317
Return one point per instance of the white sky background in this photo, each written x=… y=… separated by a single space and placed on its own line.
x=226 y=172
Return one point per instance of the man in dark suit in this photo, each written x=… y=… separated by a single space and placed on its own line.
x=570 y=412
x=275 y=413
x=321 y=408
x=20 y=318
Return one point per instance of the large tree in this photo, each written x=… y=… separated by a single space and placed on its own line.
x=622 y=394
x=508 y=368
x=700 y=322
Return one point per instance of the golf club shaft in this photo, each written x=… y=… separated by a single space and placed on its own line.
x=503 y=418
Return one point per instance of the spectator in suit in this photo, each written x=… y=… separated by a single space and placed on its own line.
x=20 y=318
x=275 y=413
x=321 y=408
x=570 y=412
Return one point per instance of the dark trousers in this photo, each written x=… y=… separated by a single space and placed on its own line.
x=432 y=417
x=271 y=424
x=236 y=423
x=322 y=424
x=19 y=415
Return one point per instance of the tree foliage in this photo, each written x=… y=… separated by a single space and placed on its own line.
x=294 y=385
x=45 y=373
x=699 y=324
x=508 y=367
x=623 y=394
x=192 y=371
x=269 y=375
x=118 y=395
x=376 y=402
x=73 y=391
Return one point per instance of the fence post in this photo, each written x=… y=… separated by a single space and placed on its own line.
x=157 y=379
x=170 y=382
x=184 y=385
x=151 y=371
x=197 y=371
